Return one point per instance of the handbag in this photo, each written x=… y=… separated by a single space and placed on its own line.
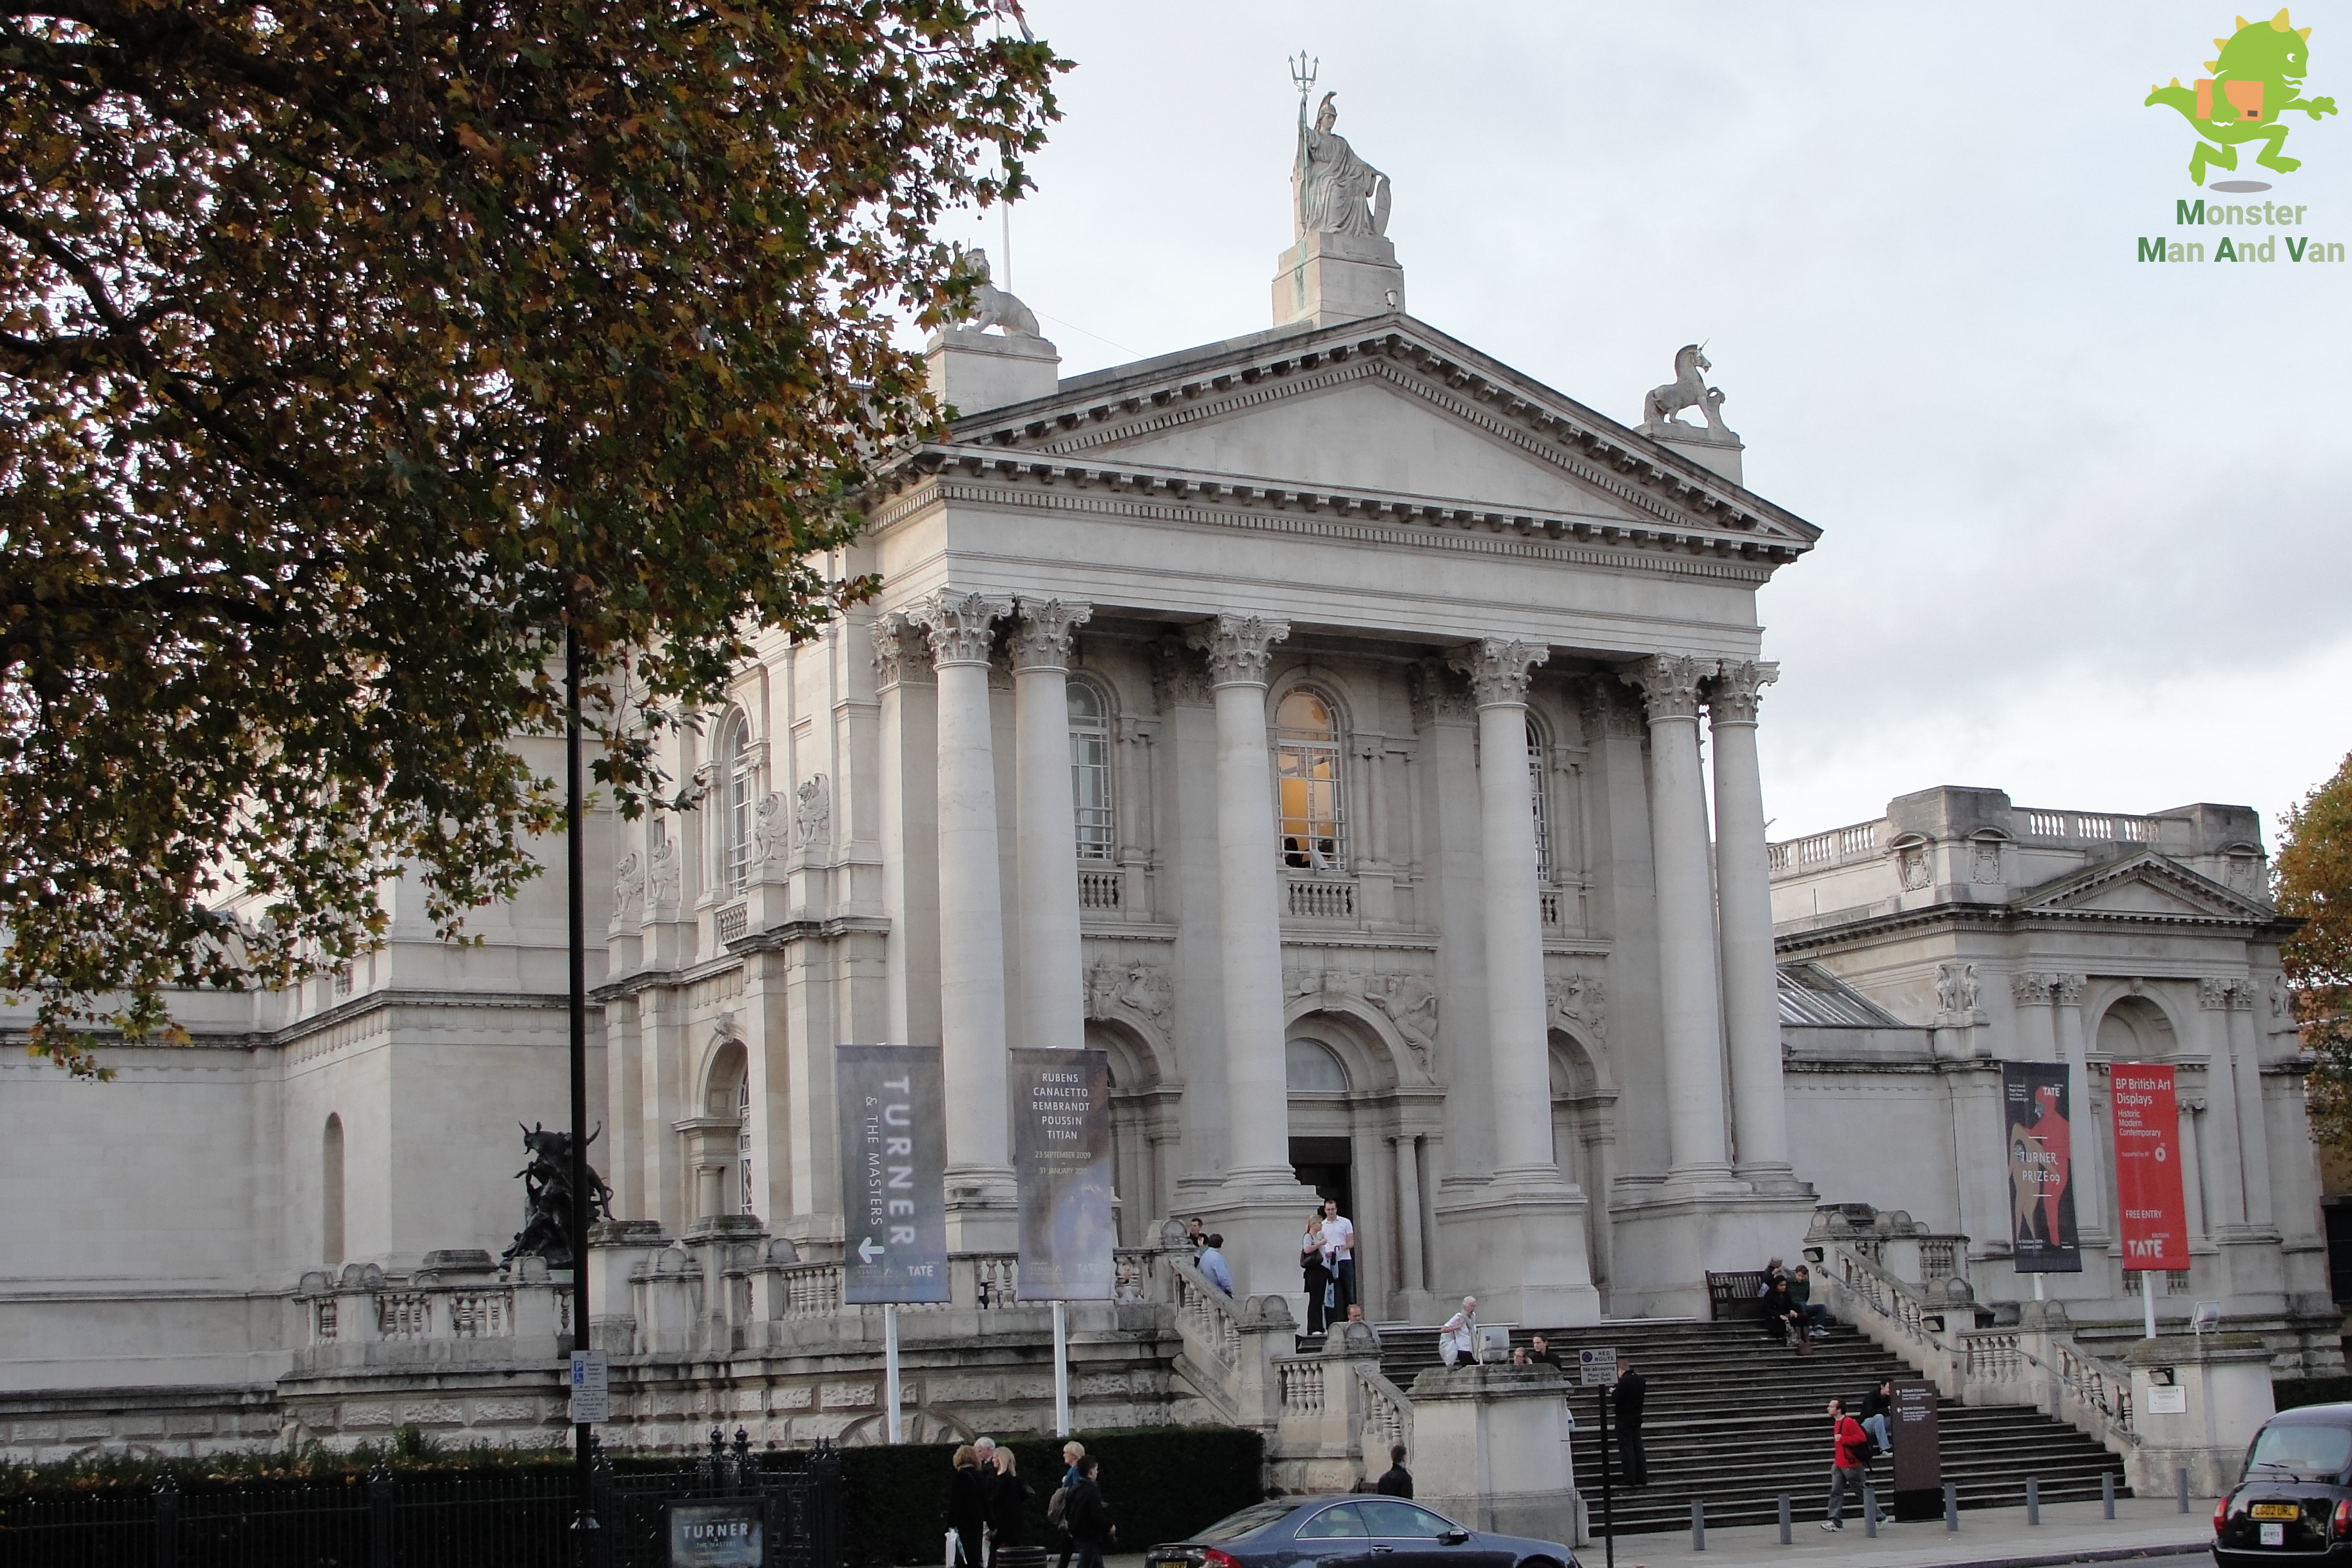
x=1330 y=1297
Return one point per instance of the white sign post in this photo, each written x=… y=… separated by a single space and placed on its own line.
x=592 y=1389
x=1596 y=1367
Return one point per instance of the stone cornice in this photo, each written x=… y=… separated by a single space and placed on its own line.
x=2007 y=918
x=1219 y=380
x=1424 y=522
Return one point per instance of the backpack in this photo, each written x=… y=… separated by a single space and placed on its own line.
x=1856 y=1448
x=1055 y=1506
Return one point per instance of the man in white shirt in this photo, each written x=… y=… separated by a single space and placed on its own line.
x=1459 y=1337
x=1339 y=1257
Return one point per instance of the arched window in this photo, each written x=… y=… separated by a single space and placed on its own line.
x=1538 y=784
x=1090 y=770
x=1310 y=1066
x=1306 y=770
x=731 y=790
x=330 y=1193
x=744 y=1143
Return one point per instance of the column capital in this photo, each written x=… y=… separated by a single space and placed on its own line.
x=2213 y=992
x=961 y=626
x=1738 y=689
x=2066 y=990
x=902 y=652
x=1607 y=713
x=1047 y=629
x=1240 y=647
x=1499 y=669
x=1670 y=684
x=2030 y=990
x=1177 y=676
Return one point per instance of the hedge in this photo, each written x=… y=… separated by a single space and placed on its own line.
x=2287 y=1393
x=1161 y=1483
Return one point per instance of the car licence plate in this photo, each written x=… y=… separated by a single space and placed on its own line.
x=2274 y=1510
x=2275 y=1535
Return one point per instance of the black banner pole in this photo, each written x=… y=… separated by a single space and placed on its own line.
x=1608 y=1512
x=583 y=1522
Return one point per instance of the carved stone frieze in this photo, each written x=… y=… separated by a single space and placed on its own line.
x=1579 y=1003
x=1987 y=860
x=1409 y=1003
x=1499 y=669
x=1914 y=866
x=1144 y=990
x=1043 y=637
x=1738 y=689
x=962 y=626
x=1240 y=647
x=1955 y=988
x=1670 y=684
x=1607 y=711
x=1439 y=694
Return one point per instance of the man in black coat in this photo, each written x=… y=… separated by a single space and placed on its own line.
x=1088 y=1518
x=969 y=1493
x=1627 y=1398
x=1398 y=1482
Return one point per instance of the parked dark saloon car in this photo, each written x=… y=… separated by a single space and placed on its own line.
x=1352 y=1531
x=2296 y=1498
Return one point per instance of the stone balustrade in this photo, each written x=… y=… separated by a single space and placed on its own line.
x=458 y=1309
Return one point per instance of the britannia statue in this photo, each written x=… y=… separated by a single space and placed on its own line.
x=1336 y=191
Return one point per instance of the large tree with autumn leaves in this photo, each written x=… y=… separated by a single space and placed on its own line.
x=2314 y=875
x=348 y=351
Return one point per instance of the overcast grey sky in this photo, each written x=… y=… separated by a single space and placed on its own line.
x=2087 y=531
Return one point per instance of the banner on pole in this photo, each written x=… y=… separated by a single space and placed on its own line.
x=2149 y=1204
x=1061 y=1154
x=2040 y=1136
x=892 y=1173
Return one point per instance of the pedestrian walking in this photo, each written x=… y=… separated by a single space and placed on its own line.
x=1339 y=1257
x=968 y=1491
x=1008 y=1504
x=1089 y=1519
x=1848 y=1445
x=1878 y=1415
x=1213 y=1265
x=1058 y=1522
x=1626 y=1399
x=1398 y=1481
x=1459 y=1337
x=1316 y=1274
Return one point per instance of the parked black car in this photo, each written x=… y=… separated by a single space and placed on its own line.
x=2297 y=1497
x=1352 y=1531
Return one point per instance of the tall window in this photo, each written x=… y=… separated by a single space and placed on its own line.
x=1306 y=775
x=1090 y=770
x=743 y=1143
x=731 y=783
x=1543 y=816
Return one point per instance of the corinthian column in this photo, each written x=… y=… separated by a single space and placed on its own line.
x=1053 y=988
x=1743 y=890
x=1257 y=1145
x=1692 y=1006
x=971 y=924
x=2253 y=1134
x=1515 y=1054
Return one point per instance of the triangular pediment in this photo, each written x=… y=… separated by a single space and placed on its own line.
x=1387 y=407
x=2146 y=886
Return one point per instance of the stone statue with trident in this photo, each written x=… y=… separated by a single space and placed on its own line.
x=1334 y=191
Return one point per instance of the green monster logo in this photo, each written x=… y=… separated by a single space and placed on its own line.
x=2254 y=82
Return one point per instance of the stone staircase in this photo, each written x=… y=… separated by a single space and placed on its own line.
x=1735 y=1417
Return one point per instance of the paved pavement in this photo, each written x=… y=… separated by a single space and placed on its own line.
x=2144 y=1530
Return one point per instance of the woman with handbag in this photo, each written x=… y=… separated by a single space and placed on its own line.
x=1318 y=1274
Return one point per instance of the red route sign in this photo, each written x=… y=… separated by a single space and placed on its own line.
x=2153 y=1218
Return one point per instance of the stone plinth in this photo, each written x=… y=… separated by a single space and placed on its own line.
x=974 y=371
x=2223 y=1382
x=1490 y=1449
x=1717 y=450
x=1327 y=278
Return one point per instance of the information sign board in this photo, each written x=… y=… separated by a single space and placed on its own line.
x=1597 y=1366
x=892 y=1173
x=590 y=1381
x=729 y=1534
x=2038 y=1138
x=1061 y=1157
x=2149 y=1202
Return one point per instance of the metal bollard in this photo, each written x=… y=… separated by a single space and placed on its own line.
x=1951 y=1508
x=2033 y=1499
x=2107 y=1496
x=2180 y=1487
x=1869 y=1512
x=1784 y=1519
x=1698 y=1524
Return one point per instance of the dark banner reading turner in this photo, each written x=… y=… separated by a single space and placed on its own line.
x=893 y=1174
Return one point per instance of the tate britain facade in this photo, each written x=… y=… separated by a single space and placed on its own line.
x=1356 y=740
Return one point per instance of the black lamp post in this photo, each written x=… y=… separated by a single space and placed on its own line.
x=583 y=1522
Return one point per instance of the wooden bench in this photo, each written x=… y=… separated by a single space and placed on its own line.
x=1737 y=1297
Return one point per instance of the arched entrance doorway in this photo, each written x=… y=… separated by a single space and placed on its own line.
x=1343 y=1122
x=1584 y=1141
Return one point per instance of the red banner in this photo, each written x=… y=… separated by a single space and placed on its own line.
x=2153 y=1218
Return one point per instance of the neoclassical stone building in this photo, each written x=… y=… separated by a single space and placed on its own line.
x=1351 y=737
